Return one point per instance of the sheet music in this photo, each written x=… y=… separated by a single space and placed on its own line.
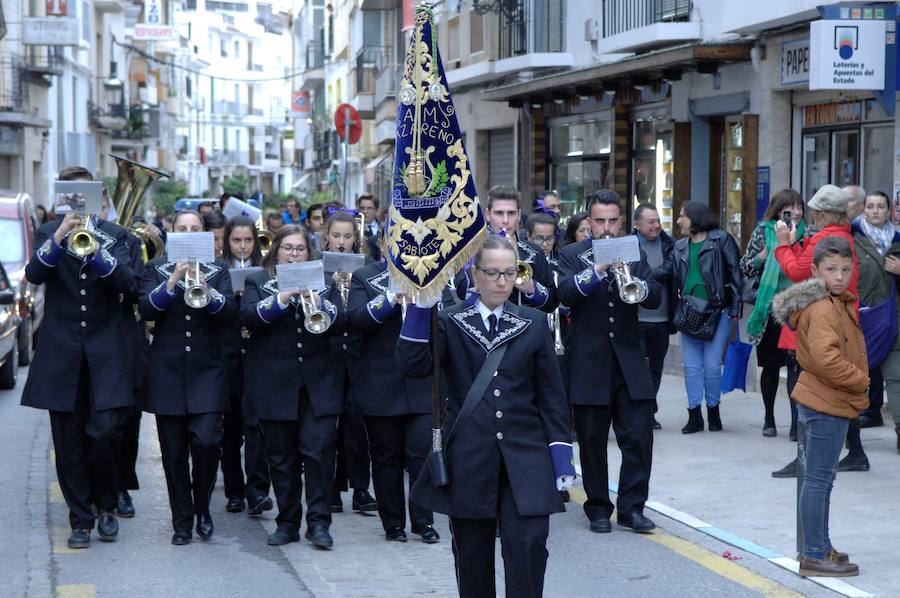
x=236 y=207
x=239 y=276
x=618 y=249
x=181 y=247
x=301 y=276
x=336 y=261
x=75 y=192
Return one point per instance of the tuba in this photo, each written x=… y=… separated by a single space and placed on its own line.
x=196 y=293
x=264 y=237
x=133 y=181
x=316 y=321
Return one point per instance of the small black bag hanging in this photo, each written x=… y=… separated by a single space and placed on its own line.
x=696 y=317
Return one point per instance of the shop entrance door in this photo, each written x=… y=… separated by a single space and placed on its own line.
x=845 y=158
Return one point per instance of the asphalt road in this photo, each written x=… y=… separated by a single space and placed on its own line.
x=676 y=561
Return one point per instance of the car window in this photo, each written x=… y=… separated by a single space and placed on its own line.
x=12 y=245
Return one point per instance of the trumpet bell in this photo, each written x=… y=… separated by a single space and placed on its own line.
x=82 y=242
x=524 y=272
x=196 y=296
x=633 y=292
x=317 y=322
x=264 y=238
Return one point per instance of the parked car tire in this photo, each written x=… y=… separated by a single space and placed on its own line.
x=26 y=342
x=9 y=373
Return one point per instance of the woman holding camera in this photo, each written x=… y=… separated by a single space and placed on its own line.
x=760 y=266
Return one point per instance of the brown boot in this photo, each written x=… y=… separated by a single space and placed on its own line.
x=835 y=555
x=810 y=567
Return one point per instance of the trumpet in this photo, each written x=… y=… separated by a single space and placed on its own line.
x=553 y=320
x=196 y=293
x=82 y=240
x=345 y=287
x=264 y=237
x=524 y=271
x=315 y=320
x=631 y=290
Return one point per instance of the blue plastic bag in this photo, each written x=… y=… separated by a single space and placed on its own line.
x=879 y=326
x=734 y=374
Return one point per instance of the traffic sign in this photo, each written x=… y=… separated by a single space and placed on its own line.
x=347 y=115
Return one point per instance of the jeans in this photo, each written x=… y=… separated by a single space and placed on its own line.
x=824 y=440
x=702 y=361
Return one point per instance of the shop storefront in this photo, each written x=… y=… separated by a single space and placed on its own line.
x=846 y=143
x=579 y=157
x=653 y=162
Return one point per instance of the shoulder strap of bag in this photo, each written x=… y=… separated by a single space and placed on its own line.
x=476 y=391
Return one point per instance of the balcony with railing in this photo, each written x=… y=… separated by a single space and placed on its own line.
x=637 y=25
x=314 y=74
x=370 y=61
x=387 y=82
x=108 y=118
x=13 y=86
x=43 y=60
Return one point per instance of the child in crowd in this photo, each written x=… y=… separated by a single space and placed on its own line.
x=832 y=390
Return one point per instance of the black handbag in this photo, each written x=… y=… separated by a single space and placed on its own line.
x=749 y=289
x=696 y=317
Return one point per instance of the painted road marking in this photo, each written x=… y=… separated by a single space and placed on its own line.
x=60 y=539
x=76 y=590
x=55 y=494
x=833 y=584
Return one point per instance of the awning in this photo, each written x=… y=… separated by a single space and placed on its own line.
x=650 y=65
x=374 y=164
x=302 y=181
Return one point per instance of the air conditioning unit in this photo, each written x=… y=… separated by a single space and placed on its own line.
x=592 y=29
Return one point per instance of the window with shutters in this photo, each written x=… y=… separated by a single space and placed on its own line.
x=502 y=157
x=476 y=33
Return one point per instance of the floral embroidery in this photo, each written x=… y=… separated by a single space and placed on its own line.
x=380 y=281
x=208 y=269
x=587 y=257
x=526 y=253
x=508 y=328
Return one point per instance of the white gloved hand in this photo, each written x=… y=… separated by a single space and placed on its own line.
x=564 y=482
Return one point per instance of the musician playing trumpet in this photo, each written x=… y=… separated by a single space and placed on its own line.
x=292 y=387
x=192 y=308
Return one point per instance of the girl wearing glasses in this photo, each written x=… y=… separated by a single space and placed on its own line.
x=289 y=388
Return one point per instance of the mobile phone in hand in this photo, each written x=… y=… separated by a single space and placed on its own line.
x=786 y=218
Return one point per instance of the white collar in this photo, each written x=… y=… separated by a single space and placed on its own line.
x=485 y=312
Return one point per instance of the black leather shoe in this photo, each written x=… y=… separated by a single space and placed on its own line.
x=124 y=506
x=656 y=424
x=428 y=534
x=636 y=522
x=319 y=536
x=234 y=505
x=282 y=536
x=871 y=421
x=564 y=496
x=79 y=538
x=336 y=505
x=769 y=429
x=601 y=525
x=107 y=526
x=694 y=423
x=788 y=471
x=181 y=538
x=204 y=526
x=263 y=504
x=715 y=419
x=395 y=534
x=364 y=502
x=849 y=463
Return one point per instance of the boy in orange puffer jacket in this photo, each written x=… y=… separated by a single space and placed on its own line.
x=832 y=390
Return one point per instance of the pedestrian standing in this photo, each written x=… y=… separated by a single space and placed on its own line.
x=655 y=325
x=759 y=265
x=704 y=266
x=831 y=391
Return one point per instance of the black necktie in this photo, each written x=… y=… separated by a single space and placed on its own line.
x=492 y=326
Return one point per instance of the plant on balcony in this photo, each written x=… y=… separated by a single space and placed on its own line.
x=136 y=123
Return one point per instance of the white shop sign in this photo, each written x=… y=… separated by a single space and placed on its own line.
x=50 y=31
x=847 y=54
x=795 y=62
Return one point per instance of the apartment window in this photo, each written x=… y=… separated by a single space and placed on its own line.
x=225 y=138
x=212 y=42
x=237 y=139
x=223 y=50
x=190 y=5
x=476 y=32
x=453 y=38
x=237 y=49
x=188 y=90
